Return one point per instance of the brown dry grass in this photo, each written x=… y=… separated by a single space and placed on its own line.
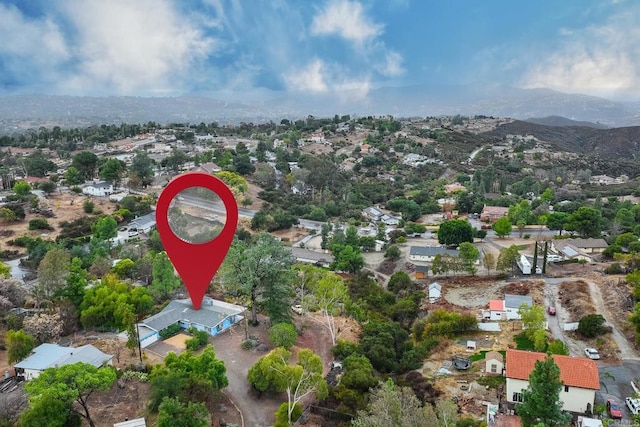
x=575 y=297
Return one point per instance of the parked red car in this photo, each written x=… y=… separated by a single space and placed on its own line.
x=551 y=310
x=614 y=409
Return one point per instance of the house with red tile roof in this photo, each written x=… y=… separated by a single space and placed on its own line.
x=579 y=377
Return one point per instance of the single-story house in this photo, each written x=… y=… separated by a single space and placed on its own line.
x=422 y=271
x=208 y=167
x=311 y=257
x=579 y=376
x=53 y=355
x=567 y=250
x=98 y=189
x=144 y=224
x=493 y=213
x=588 y=246
x=214 y=317
x=428 y=253
x=493 y=363
x=496 y=310
x=435 y=292
x=376 y=215
x=512 y=304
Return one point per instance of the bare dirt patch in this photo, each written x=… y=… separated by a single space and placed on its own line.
x=66 y=206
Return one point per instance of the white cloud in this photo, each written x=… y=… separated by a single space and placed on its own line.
x=127 y=47
x=31 y=47
x=392 y=65
x=318 y=77
x=309 y=79
x=346 y=19
x=603 y=60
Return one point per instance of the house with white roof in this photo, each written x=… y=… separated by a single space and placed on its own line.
x=53 y=356
x=214 y=317
x=98 y=189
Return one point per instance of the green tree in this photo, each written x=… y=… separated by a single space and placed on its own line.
x=105 y=228
x=330 y=294
x=393 y=253
x=558 y=347
x=73 y=176
x=113 y=171
x=19 y=345
x=502 y=227
x=53 y=272
x=489 y=261
x=261 y=271
x=71 y=385
x=520 y=213
x=556 y=221
x=124 y=269
x=173 y=413
x=86 y=164
x=454 y=232
x=541 y=400
x=347 y=258
x=592 y=325
x=390 y=405
x=265 y=375
x=114 y=304
x=273 y=372
x=586 y=221
x=142 y=168
x=283 y=335
x=187 y=377
x=48 y=187
x=164 y=282
x=533 y=321
x=507 y=258
x=22 y=188
x=469 y=255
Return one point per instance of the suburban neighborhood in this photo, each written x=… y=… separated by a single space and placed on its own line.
x=477 y=288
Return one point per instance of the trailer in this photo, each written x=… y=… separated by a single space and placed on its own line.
x=524 y=265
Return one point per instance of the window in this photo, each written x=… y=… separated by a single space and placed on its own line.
x=494 y=368
x=566 y=389
x=219 y=327
x=517 y=397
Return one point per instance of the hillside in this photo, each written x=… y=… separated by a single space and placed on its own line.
x=612 y=144
x=563 y=121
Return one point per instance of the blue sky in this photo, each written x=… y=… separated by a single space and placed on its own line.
x=247 y=49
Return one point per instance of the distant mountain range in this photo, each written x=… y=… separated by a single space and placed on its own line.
x=24 y=111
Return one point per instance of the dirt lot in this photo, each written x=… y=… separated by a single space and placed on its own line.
x=66 y=207
x=475 y=292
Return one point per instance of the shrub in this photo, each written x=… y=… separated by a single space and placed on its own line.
x=170 y=331
x=88 y=206
x=282 y=418
x=283 y=335
x=199 y=339
x=592 y=325
x=39 y=224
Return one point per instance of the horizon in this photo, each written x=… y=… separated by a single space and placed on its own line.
x=345 y=49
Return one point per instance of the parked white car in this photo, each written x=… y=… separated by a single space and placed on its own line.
x=297 y=309
x=592 y=353
x=554 y=258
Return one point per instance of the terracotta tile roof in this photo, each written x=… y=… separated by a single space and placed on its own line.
x=496 y=305
x=574 y=371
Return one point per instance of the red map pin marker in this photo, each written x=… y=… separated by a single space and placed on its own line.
x=196 y=263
